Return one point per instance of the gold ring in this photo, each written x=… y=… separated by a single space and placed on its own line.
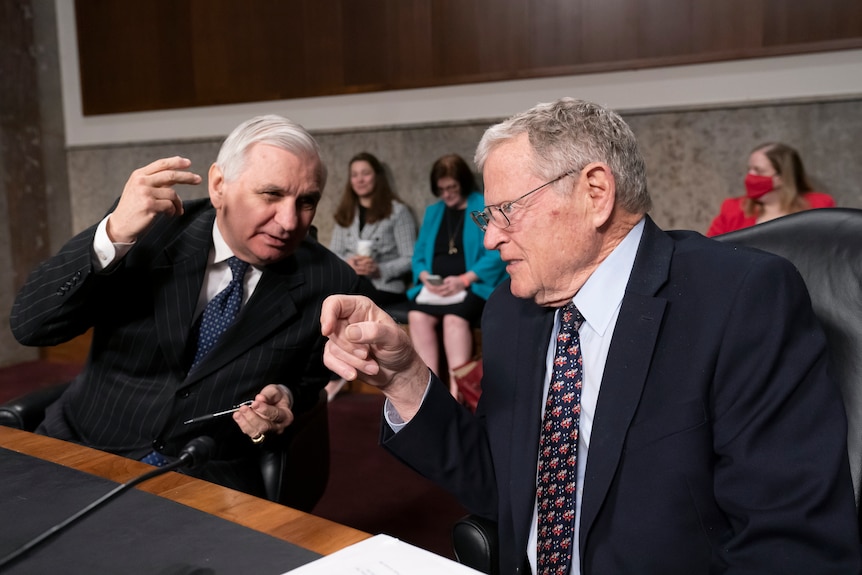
x=259 y=439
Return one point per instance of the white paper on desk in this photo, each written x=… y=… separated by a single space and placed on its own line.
x=426 y=297
x=383 y=555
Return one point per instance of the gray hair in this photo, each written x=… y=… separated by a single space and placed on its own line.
x=569 y=134
x=271 y=130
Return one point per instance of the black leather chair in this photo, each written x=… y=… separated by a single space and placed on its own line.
x=295 y=466
x=825 y=245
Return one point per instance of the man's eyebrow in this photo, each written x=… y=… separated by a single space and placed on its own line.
x=310 y=195
x=272 y=188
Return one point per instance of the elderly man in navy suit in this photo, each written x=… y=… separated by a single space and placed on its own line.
x=653 y=402
x=195 y=306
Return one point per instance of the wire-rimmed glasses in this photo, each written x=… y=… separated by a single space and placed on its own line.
x=499 y=214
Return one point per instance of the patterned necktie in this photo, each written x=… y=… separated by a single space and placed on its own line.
x=558 y=450
x=221 y=310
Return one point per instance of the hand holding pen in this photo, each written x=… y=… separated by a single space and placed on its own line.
x=209 y=416
x=271 y=415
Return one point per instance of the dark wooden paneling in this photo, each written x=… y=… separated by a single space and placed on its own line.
x=731 y=27
x=135 y=55
x=609 y=31
x=795 y=22
x=555 y=35
x=157 y=54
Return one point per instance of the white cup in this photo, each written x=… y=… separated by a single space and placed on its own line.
x=363 y=247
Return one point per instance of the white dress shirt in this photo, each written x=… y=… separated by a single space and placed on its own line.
x=599 y=301
x=218 y=274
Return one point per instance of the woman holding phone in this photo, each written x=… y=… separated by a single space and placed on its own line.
x=453 y=273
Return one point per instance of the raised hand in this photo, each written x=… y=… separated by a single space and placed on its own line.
x=366 y=343
x=148 y=193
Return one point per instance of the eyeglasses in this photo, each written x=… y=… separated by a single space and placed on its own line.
x=450 y=188
x=499 y=214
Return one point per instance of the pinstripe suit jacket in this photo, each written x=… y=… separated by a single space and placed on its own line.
x=135 y=390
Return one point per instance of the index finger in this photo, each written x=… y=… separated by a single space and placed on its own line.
x=349 y=308
x=162 y=164
x=271 y=394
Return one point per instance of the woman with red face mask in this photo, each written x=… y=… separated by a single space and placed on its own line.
x=775 y=186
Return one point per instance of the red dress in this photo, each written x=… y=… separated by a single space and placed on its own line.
x=732 y=218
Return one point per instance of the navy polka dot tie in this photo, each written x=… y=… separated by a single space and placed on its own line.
x=221 y=310
x=558 y=450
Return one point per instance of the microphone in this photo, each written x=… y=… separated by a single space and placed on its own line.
x=194 y=454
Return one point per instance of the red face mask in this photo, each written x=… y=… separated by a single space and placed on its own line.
x=756 y=186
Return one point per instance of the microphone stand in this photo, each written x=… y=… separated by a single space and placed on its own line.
x=187 y=457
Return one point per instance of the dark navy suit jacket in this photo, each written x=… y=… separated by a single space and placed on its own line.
x=718 y=444
x=136 y=391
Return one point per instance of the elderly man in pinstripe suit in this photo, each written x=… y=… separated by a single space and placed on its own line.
x=142 y=277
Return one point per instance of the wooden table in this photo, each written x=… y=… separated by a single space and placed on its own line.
x=296 y=527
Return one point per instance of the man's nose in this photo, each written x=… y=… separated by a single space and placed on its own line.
x=286 y=215
x=493 y=237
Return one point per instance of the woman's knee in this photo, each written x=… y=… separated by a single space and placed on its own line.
x=421 y=320
x=455 y=322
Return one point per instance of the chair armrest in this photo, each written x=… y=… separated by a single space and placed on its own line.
x=295 y=465
x=27 y=411
x=475 y=542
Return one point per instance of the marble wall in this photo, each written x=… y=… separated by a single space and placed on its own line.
x=695 y=158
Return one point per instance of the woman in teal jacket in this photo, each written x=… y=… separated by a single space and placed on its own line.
x=453 y=273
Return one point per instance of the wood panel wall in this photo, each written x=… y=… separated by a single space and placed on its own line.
x=156 y=54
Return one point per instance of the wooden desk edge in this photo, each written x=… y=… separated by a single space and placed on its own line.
x=296 y=527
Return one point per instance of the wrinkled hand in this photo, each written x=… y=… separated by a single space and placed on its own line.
x=364 y=266
x=148 y=193
x=364 y=341
x=269 y=413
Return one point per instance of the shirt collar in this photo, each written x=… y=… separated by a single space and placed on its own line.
x=221 y=250
x=601 y=295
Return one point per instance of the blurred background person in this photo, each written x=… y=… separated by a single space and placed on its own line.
x=374 y=233
x=453 y=273
x=776 y=185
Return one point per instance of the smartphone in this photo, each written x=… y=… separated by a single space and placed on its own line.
x=434 y=280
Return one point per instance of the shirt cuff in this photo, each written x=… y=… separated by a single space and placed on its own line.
x=107 y=252
x=393 y=418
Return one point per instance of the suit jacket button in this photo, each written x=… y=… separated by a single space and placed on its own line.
x=184 y=394
x=158 y=444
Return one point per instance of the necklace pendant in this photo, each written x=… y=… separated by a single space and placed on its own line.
x=452 y=249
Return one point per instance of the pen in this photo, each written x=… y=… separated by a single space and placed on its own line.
x=217 y=413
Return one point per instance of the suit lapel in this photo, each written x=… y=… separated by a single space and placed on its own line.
x=269 y=307
x=629 y=357
x=177 y=283
x=534 y=333
x=368 y=231
x=177 y=280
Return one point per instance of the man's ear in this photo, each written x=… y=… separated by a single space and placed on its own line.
x=601 y=191
x=216 y=185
